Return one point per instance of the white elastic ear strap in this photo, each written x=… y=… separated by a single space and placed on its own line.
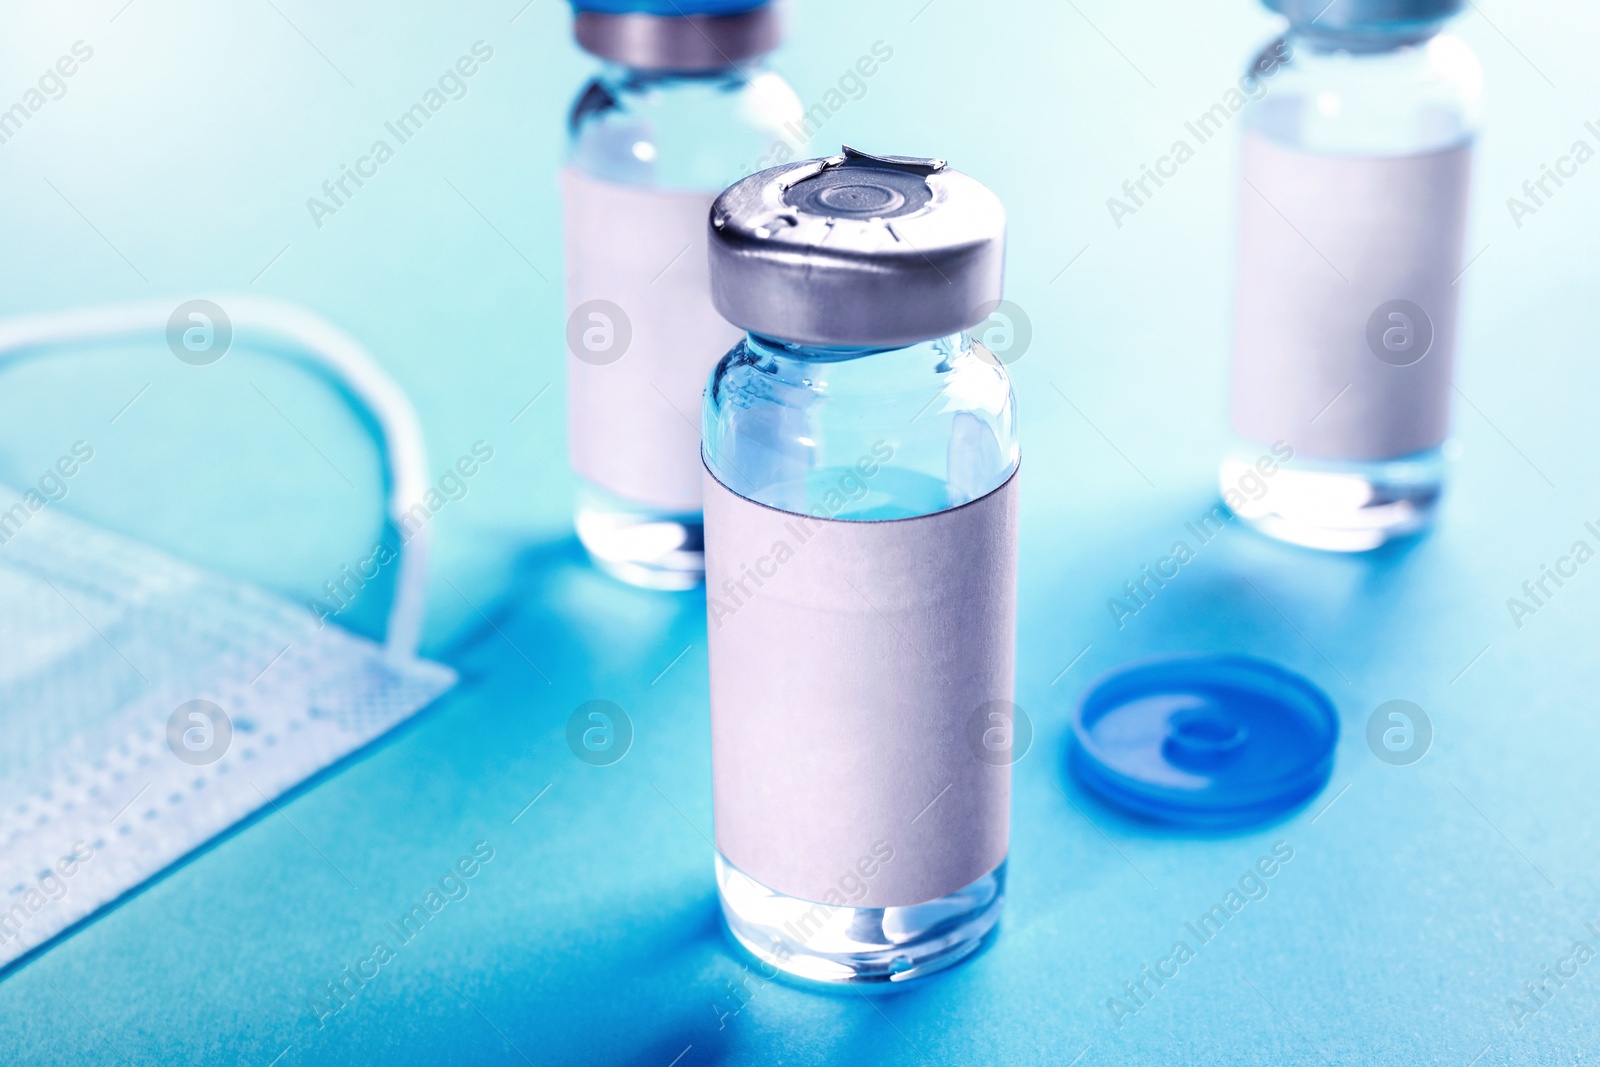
x=340 y=357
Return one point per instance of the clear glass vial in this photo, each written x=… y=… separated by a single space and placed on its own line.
x=855 y=400
x=1357 y=146
x=684 y=105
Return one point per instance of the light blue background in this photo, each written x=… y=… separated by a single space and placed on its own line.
x=178 y=165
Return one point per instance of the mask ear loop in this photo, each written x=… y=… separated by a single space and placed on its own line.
x=339 y=358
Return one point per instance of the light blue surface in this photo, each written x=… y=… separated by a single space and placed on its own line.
x=179 y=162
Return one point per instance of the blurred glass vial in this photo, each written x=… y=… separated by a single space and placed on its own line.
x=683 y=102
x=1357 y=147
x=861 y=458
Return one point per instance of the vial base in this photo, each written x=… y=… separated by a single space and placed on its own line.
x=1336 y=506
x=858 y=946
x=649 y=547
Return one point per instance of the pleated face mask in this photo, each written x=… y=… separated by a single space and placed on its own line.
x=146 y=705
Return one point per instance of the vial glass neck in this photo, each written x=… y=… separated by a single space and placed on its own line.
x=643 y=79
x=780 y=349
x=906 y=431
x=1360 y=39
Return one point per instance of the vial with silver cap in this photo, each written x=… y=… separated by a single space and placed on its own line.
x=861 y=491
x=683 y=105
x=1356 y=153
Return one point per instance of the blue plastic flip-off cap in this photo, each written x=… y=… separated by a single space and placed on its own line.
x=1204 y=741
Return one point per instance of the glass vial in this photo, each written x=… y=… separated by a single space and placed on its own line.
x=683 y=106
x=1357 y=147
x=861 y=476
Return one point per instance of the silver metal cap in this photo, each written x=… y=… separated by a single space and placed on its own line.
x=678 y=42
x=857 y=250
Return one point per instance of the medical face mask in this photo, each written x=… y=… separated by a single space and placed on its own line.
x=146 y=705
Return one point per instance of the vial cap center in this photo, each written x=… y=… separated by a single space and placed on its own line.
x=853 y=190
x=1203 y=738
x=850 y=199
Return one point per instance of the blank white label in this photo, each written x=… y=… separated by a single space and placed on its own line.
x=857 y=672
x=642 y=337
x=1345 y=313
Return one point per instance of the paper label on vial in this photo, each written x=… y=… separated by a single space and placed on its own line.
x=642 y=337
x=1345 y=313
x=859 y=673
